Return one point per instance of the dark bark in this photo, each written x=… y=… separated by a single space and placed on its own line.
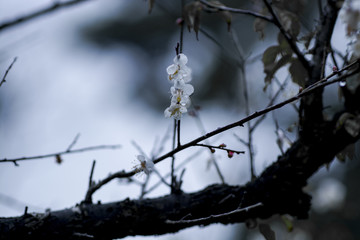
x=279 y=188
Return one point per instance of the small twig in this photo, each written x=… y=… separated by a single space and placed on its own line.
x=332 y=54
x=241 y=62
x=219 y=147
x=26 y=210
x=73 y=142
x=240 y=139
x=173 y=178
x=279 y=140
x=46 y=10
x=212 y=158
x=260 y=119
x=323 y=62
x=181 y=165
x=143 y=186
x=178 y=133
x=141 y=151
x=182 y=28
x=3 y=80
x=212 y=217
x=14 y=160
x=236 y=10
x=91 y=174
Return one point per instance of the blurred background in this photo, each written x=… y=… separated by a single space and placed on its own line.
x=98 y=69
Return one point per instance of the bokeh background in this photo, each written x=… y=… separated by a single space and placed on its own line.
x=98 y=69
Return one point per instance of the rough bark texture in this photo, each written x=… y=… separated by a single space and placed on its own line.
x=279 y=188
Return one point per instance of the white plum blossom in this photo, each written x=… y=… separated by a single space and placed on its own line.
x=179 y=70
x=350 y=15
x=146 y=165
x=179 y=74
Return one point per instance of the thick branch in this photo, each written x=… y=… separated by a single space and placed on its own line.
x=278 y=189
x=311 y=107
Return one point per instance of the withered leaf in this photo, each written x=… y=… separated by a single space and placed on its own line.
x=298 y=72
x=191 y=15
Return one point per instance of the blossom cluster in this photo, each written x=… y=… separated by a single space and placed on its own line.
x=179 y=75
x=350 y=15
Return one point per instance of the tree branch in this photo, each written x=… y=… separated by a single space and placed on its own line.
x=236 y=10
x=279 y=189
x=41 y=12
x=319 y=85
x=311 y=107
x=15 y=160
x=3 y=80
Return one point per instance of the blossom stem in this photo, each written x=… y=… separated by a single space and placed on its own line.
x=178 y=133
x=173 y=158
x=182 y=28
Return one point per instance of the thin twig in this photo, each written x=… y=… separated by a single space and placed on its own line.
x=41 y=12
x=242 y=66
x=13 y=160
x=281 y=88
x=219 y=147
x=178 y=167
x=139 y=148
x=73 y=142
x=211 y=217
x=91 y=174
x=3 y=80
x=201 y=127
x=173 y=178
x=178 y=133
x=236 y=10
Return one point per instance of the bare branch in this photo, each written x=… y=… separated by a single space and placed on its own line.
x=219 y=147
x=86 y=149
x=239 y=11
x=41 y=12
x=213 y=217
x=7 y=71
x=91 y=174
x=73 y=142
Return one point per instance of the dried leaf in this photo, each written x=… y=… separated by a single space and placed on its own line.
x=192 y=14
x=306 y=39
x=272 y=68
x=347 y=153
x=259 y=27
x=298 y=72
x=283 y=43
x=266 y=231
x=290 y=22
x=226 y=15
